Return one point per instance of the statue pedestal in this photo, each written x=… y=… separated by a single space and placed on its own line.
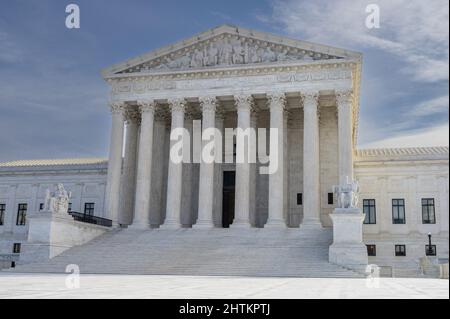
x=50 y=234
x=348 y=249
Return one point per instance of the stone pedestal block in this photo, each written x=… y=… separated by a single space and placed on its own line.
x=348 y=249
x=50 y=234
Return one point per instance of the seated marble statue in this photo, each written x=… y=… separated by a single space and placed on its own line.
x=347 y=194
x=57 y=201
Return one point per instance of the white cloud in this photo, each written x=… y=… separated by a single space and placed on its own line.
x=10 y=52
x=413 y=30
x=436 y=136
x=435 y=106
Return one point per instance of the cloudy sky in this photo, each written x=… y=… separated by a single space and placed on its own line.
x=53 y=99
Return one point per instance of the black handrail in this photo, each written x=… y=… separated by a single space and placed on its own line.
x=90 y=219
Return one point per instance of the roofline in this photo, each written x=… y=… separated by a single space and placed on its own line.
x=226 y=28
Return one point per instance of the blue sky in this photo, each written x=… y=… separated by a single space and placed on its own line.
x=53 y=101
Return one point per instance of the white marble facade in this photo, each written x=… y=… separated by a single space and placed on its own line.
x=232 y=77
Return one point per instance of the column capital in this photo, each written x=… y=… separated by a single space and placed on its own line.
x=344 y=97
x=147 y=106
x=116 y=107
x=208 y=103
x=177 y=105
x=243 y=102
x=276 y=100
x=310 y=97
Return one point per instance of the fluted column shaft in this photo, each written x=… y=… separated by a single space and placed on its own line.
x=242 y=190
x=311 y=166
x=144 y=168
x=206 y=185
x=175 y=175
x=129 y=167
x=276 y=179
x=345 y=136
x=112 y=198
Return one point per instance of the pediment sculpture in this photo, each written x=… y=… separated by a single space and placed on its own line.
x=57 y=201
x=228 y=51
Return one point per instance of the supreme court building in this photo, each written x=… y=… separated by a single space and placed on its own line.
x=230 y=77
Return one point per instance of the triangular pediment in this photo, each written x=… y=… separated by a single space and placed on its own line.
x=228 y=46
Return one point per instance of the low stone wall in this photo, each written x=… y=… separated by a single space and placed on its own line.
x=51 y=234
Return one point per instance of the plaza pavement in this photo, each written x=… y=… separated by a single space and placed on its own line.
x=112 y=286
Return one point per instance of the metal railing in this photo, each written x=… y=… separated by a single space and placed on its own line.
x=90 y=219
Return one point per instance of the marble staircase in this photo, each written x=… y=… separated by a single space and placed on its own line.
x=221 y=252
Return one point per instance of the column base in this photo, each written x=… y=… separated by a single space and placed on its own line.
x=170 y=225
x=241 y=225
x=275 y=224
x=139 y=226
x=203 y=224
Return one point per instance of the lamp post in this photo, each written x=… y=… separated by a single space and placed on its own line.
x=430 y=248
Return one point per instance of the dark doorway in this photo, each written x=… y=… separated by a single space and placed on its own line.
x=229 y=184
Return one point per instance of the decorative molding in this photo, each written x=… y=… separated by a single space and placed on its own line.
x=140 y=84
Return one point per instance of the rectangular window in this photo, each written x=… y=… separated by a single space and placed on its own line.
x=330 y=198
x=70 y=208
x=400 y=250
x=16 y=248
x=398 y=211
x=89 y=209
x=2 y=213
x=41 y=206
x=371 y=250
x=430 y=251
x=299 y=199
x=21 y=215
x=369 y=209
x=428 y=215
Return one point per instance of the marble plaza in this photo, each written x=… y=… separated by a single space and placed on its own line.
x=329 y=207
x=185 y=287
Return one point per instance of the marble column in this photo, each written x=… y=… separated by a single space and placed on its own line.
x=144 y=167
x=206 y=186
x=276 y=180
x=175 y=175
x=242 y=197
x=345 y=135
x=128 y=183
x=112 y=198
x=218 y=174
x=311 y=182
x=159 y=170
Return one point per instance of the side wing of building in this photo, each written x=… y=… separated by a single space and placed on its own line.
x=23 y=185
x=404 y=193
